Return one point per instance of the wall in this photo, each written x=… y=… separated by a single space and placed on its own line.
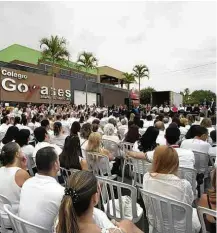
x=29 y=89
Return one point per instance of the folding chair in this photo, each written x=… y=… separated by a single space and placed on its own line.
x=190 y=175
x=125 y=147
x=99 y=165
x=201 y=211
x=139 y=168
x=111 y=189
x=22 y=226
x=201 y=166
x=65 y=173
x=212 y=160
x=112 y=147
x=167 y=215
x=4 y=220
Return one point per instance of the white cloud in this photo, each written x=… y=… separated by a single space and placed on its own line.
x=163 y=35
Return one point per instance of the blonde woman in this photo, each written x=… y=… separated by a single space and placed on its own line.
x=94 y=145
x=163 y=180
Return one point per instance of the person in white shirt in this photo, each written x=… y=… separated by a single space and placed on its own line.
x=12 y=174
x=22 y=140
x=163 y=180
x=43 y=139
x=198 y=143
x=46 y=124
x=86 y=130
x=59 y=135
x=17 y=121
x=109 y=131
x=123 y=128
x=66 y=125
x=24 y=125
x=4 y=127
x=212 y=149
x=166 y=109
x=149 y=121
x=161 y=137
x=10 y=136
x=41 y=196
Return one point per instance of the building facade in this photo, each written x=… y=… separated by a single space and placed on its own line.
x=25 y=79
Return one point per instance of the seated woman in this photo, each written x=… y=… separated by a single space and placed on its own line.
x=23 y=141
x=94 y=145
x=85 y=132
x=209 y=201
x=77 y=209
x=71 y=156
x=12 y=174
x=132 y=135
x=10 y=136
x=164 y=181
x=58 y=137
x=148 y=140
x=183 y=123
x=109 y=131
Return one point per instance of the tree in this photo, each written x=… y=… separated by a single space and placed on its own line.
x=145 y=95
x=141 y=71
x=54 y=51
x=186 y=96
x=198 y=96
x=129 y=78
x=87 y=61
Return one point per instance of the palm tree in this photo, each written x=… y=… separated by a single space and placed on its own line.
x=87 y=61
x=129 y=78
x=54 y=51
x=141 y=71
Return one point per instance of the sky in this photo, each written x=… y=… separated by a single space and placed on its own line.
x=176 y=40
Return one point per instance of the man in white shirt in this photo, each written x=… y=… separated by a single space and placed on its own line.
x=198 y=143
x=161 y=137
x=66 y=125
x=166 y=109
x=186 y=157
x=4 y=127
x=42 y=137
x=41 y=196
x=212 y=149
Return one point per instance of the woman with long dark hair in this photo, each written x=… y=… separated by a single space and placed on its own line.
x=75 y=129
x=71 y=156
x=148 y=140
x=133 y=134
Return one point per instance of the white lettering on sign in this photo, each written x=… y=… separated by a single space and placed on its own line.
x=13 y=74
x=9 y=84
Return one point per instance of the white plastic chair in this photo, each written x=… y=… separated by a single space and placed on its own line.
x=125 y=146
x=112 y=147
x=109 y=189
x=65 y=173
x=139 y=168
x=99 y=165
x=4 y=220
x=22 y=226
x=201 y=211
x=167 y=215
x=190 y=175
x=212 y=160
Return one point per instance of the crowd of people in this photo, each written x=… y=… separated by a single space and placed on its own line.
x=54 y=137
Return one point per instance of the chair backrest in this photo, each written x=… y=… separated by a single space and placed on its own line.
x=201 y=162
x=190 y=175
x=167 y=215
x=112 y=147
x=111 y=190
x=4 y=220
x=66 y=173
x=22 y=226
x=201 y=211
x=30 y=161
x=212 y=160
x=98 y=164
x=126 y=146
x=139 y=168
